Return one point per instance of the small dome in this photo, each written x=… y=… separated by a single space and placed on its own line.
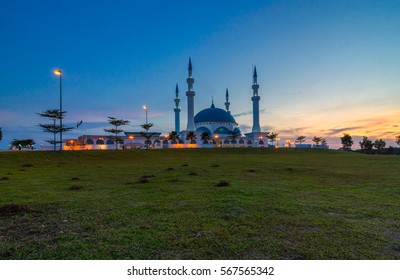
x=213 y=115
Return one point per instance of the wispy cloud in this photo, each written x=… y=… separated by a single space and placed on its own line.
x=334 y=131
x=247 y=113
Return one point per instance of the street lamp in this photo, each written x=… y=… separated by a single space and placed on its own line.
x=58 y=72
x=145 y=107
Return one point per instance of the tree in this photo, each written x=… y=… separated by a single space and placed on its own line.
x=54 y=128
x=379 y=144
x=191 y=136
x=300 y=139
x=396 y=139
x=347 y=141
x=324 y=142
x=117 y=123
x=366 y=144
x=232 y=135
x=206 y=137
x=317 y=140
x=23 y=143
x=272 y=136
x=173 y=136
x=146 y=134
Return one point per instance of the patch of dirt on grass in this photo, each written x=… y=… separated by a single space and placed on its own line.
x=14 y=209
x=174 y=180
x=5 y=178
x=75 y=187
x=215 y=165
x=185 y=164
x=251 y=170
x=75 y=179
x=223 y=184
x=143 y=181
x=22 y=170
x=147 y=176
x=27 y=165
x=169 y=169
x=192 y=174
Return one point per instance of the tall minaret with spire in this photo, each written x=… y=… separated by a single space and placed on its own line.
x=177 y=110
x=255 y=98
x=190 y=98
x=227 y=103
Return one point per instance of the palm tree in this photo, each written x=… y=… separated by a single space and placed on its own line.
x=300 y=139
x=324 y=142
x=173 y=136
x=206 y=137
x=233 y=134
x=191 y=136
x=272 y=136
x=146 y=134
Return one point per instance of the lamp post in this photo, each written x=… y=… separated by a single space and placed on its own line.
x=131 y=138
x=58 y=72
x=145 y=107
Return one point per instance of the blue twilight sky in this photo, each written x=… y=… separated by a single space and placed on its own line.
x=324 y=67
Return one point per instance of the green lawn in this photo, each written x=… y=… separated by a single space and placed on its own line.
x=279 y=204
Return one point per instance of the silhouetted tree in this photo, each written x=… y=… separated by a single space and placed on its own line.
x=324 y=142
x=366 y=144
x=206 y=136
x=397 y=139
x=191 y=136
x=347 y=141
x=146 y=134
x=380 y=144
x=232 y=135
x=117 y=123
x=272 y=136
x=173 y=136
x=23 y=143
x=54 y=128
x=300 y=139
x=317 y=140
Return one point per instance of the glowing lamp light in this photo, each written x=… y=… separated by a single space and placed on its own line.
x=57 y=72
x=145 y=107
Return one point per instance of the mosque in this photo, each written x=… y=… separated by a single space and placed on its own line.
x=217 y=124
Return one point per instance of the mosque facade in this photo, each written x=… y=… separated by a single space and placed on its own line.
x=217 y=124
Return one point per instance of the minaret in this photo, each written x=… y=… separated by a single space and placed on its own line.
x=227 y=103
x=190 y=98
x=177 y=110
x=255 y=98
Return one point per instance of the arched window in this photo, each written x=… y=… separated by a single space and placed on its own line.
x=99 y=142
x=165 y=142
x=110 y=142
x=221 y=130
x=121 y=141
x=261 y=142
x=89 y=142
x=249 y=142
x=226 y=141
x=241 y=142
x=234 y=141
x=203 y=129
x=157 y=142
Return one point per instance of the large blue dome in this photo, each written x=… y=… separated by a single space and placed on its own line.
x=213 y=115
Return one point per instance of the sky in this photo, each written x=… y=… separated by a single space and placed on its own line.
x=324 y=67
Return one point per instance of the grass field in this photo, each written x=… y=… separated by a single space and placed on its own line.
x=199 y=204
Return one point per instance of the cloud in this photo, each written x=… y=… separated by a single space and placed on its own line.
x=334 y=131
x=247 y=113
